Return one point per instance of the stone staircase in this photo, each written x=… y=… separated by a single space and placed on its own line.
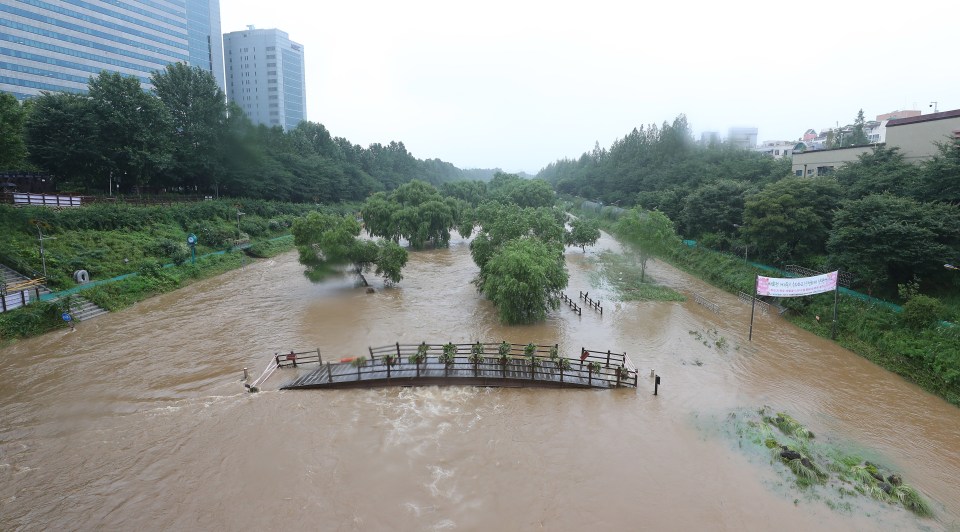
x=80 y=308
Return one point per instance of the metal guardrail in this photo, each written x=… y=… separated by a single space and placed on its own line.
x=707 y=303
x=761 y=304
x=844 y=279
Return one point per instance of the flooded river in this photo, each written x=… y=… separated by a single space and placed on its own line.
x=139 y=420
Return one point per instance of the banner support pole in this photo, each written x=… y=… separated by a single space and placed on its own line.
x=836 y=300
x=753 y=306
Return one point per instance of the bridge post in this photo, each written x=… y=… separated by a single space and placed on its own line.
x=398 y=350
x=319 y=358
x=608 y=358
x=329 y=373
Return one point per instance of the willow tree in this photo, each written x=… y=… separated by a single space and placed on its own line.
x=520 y=255
x=417 y=212
x=523 y=279
x=329 y=244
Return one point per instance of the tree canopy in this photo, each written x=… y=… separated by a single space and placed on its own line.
x=417 y=212
x=583 y=232
x=523 y=279
x=326 y=242
x=183 y=138
x=13 y=151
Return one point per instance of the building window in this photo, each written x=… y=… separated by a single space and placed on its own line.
x=271 y=65
x=271 y=81
x=824 y=170
x=271 y=56
x=274 y=97
x=272 y=73
x=271 y=48
x=798 y=173
x=271 y=89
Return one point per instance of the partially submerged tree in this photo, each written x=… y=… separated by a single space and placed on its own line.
x=583 y=232
x=650 y=230
x=523 y=278
x=417 y=212
x=326 y=242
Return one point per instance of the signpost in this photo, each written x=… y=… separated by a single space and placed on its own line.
x=192 y=242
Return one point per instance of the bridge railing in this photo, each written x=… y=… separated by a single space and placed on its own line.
x=294 y=359
x=384 y=361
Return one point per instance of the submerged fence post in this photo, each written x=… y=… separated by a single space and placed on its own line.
x=656 y=383
x=319 y=358
x=329 y=373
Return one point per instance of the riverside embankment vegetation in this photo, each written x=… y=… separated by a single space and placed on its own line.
x=893 y=225
x=109 y=240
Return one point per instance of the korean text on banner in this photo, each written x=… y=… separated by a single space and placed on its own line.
x=796 y=287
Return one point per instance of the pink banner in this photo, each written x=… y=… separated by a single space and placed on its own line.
x=796 y=286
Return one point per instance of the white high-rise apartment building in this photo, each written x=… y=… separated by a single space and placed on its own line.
x=265 y=76
x=57 y=45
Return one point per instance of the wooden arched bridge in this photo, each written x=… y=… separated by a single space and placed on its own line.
x=477 y=364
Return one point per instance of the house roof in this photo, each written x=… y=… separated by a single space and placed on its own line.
x=924 y=118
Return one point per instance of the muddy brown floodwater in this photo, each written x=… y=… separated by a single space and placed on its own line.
x=138 y=420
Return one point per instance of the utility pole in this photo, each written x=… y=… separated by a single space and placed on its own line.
x=43 y=258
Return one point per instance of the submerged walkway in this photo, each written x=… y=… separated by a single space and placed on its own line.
x=491 y=364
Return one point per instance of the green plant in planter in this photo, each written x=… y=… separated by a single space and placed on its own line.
x=504 y=351
x=563 y=364
x=447 y=357
x=593 y=367
x=388 y=361
x=476 y=357
x=419 y=357
x=623 y=373
x=530 y=349
x=358 y=363
x=554 y=353
x=449 y=352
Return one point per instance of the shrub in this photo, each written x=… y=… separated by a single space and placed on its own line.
x=921 y=312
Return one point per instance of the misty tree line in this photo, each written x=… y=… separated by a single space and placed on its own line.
x=184 y=137
x=883 y=219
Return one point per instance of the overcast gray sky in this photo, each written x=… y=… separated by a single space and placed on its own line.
x=519 y=84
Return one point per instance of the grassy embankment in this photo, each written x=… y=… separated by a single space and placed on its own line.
x=113 y=241
x=928 y=355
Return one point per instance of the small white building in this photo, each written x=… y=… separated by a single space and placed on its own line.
x=777 y=148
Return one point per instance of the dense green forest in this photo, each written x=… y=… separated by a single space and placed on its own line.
x=184 y=137
x=886 y=221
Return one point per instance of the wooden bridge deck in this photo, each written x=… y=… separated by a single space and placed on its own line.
x=387 y=368
x=516 y=374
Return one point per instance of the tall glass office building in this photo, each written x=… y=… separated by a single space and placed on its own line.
x=57 y=45
x=265 y=76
